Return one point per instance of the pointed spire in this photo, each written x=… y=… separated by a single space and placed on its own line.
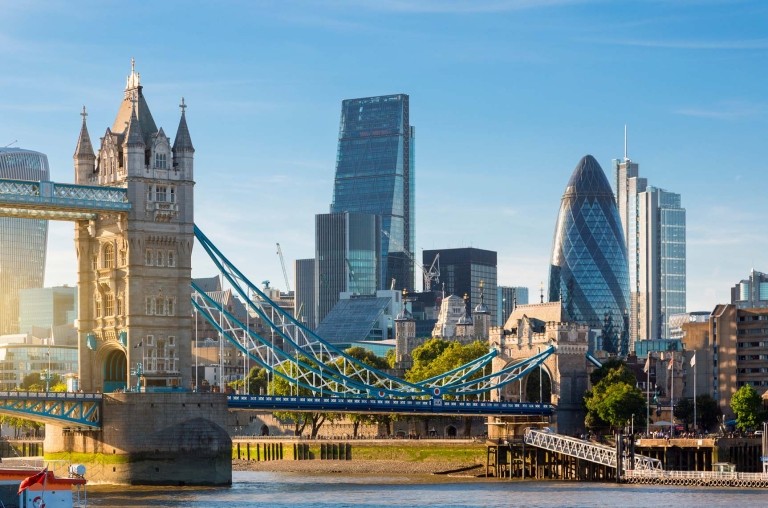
x=133 y=131
x=84 y=147
x=183 y=140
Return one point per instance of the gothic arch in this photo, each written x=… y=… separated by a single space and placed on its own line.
x=114 y=368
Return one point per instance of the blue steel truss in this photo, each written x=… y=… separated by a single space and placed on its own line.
x=59 y=201
x=308 y=362
x=64 y=409
x=433 y=406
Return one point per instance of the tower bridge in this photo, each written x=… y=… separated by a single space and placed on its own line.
x=133 y=209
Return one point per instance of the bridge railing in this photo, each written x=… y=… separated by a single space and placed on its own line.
x=586 y=450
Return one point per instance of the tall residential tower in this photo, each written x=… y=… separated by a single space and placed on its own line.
x=375 y=175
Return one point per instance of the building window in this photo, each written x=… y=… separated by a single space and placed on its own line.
x=161 y=193
x=109 y=256
x=171 y=258
x=160 y=160
x=97 y=308
x=171 y=340
x=150 y=302
x=159 y=307
x=109 y=305
x=123 y=257
x=171 y=303
x=119 y=307
x=160 y=258
x=150 y=340
x=148 y=258
x=95 y=262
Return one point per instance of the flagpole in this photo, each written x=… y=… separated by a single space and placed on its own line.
x=695 y=421
x=672 y=397
x=648 y=393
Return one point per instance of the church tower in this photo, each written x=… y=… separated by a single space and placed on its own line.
x=134 y=270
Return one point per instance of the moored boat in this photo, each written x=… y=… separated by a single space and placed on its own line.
x=33 y=487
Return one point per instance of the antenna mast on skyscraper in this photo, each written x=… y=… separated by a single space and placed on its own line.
x=625 y=143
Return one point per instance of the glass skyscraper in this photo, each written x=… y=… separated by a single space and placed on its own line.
x=375 y=175
x=588 y=271
x=22 y=241
x=655 y=228
x=347 y=247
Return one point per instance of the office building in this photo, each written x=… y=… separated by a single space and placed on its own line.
x=653 y=221
x=467 y=271
x=23 y=242
x=375 y=175
x=739 y=338
x=507 y=299
x=305 y=292
x=47 y=307
x=588 y=271
x=752 y=292
x=347 y=250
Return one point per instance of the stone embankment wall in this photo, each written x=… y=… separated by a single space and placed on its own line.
x=152 y=439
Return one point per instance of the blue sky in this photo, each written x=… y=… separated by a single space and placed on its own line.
x=506 y=97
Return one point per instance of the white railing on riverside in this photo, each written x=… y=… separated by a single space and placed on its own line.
x=696 y=475
x=586 y=450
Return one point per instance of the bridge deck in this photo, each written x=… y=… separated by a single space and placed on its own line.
x=433 y=406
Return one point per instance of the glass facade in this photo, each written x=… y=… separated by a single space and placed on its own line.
x=588 y=271
x=375 y=175
x=46 y=307
x=671 y=258
x=467 y=271
x=347 y=249
x=22 y=241
x=20 y=360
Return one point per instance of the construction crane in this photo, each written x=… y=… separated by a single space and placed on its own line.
x=282 y=265
x=429 y=274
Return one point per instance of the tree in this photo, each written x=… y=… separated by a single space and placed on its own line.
x=257 y=381
x=683 y=410
x=437 y=356
x=610 y=365
x=615 y=400
x=281 y=386
x=369 y=358
x=707 y=411
x=747 y=405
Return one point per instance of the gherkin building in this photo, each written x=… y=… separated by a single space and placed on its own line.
x=588 y=271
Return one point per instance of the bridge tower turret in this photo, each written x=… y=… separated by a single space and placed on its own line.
x=134 y=270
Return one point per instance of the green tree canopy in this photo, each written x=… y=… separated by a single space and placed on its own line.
x=437 y=356
x=747 y=405
x=707 y=411
x=614 y=400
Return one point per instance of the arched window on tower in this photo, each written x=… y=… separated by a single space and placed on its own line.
x=109 y=305
x=108 y=258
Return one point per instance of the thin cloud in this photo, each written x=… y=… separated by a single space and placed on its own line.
x=746 y=44
x=724 y=111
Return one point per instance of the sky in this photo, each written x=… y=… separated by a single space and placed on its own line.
x=506 y=97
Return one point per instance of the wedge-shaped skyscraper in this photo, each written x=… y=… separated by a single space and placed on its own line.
x=588 y=271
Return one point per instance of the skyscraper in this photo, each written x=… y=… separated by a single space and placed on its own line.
x=375 y=175
x=467 y=271
x=588 y=271
x=654 y=226
x=347 y=247
x=23 y=242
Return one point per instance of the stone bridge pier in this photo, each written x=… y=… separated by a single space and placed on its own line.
x=563 y=377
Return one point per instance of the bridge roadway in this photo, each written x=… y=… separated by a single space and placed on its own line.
x=83 y=410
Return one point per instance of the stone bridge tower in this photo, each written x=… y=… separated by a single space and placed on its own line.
x=564 y=375
x=134 y=270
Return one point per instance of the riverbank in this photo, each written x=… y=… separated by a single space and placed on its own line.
x=365 y=467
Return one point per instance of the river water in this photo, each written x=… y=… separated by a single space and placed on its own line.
x=284 y=490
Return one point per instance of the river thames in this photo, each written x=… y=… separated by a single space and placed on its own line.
x=283 y=490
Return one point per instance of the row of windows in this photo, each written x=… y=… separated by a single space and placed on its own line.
x=108 y=257
x=160 y=258
x=161 y=193
x=160 y=306
x=149 y=341
x=108 y=305
x=761 y=317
